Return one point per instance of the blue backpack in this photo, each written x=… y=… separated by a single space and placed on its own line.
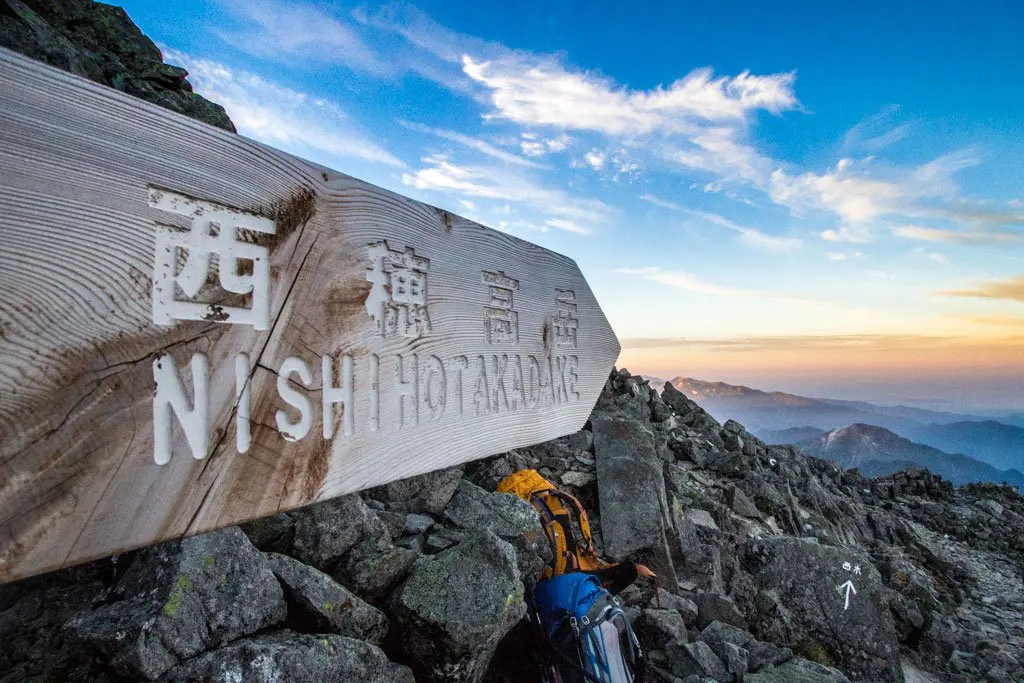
x=589 y=636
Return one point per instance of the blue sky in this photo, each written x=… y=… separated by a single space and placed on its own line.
x=824 y=199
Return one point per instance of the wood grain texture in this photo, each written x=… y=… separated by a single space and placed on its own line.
x=86 y=178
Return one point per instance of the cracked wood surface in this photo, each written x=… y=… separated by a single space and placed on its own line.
x=78 y=340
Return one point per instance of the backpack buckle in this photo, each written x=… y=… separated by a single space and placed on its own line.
x=586 y=620
x=575 y=625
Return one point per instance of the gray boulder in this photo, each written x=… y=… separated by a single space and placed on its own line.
x=801 y=597
x=686 y=608
x=292 y=658
x=657 y=627
x=455 y=607
x=798 y=671
x=374 y=567
x=430 y=492
x=712 y=607
x=696 y=658
x=510 y=517
x=631 y=490
x=318 y=602
x=325 y=532
x=180 y=599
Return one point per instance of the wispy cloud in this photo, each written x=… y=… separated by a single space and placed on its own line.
x=876 y=132
x=297 y=122
x=471 y=142
x=1011 y=289
x=299 y=31
x=691 y=283
x=540 y=91
x=663 y=203
x=568 y=226
x=487 y=182
x=998 y=320
x=917 y=232
x=534 y=145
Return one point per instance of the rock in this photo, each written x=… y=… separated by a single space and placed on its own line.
x=797 y=671
x=578 y=479
x=394 y=521
x=99 y=41
x=510 y=517
x=760 y=655
x=455 y=607
x=800 y=599
x=582 y=441
x=735 y=659
x=697 y=658
x=374 y=567
x=292 y=658
x=657 y=627
x=433 y=489
x=273 y=534
x=712 y=607
x=182 y=598
x=417 y=524
x=701 y=518
x=742 y=505
x=631 y=490
x=321 y=604
x=687 y=608
x=325 y=532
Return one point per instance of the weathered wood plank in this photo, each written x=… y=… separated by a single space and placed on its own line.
x=446 y=341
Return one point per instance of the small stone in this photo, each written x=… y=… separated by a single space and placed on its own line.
x=687 y=609
x=657 y=627
x=582 y=441
x=713 y=607
x=578 y=479
x=701 y=518
x=686 y=659
x=417 y=524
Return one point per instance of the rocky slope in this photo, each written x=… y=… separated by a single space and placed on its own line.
x=424 y=579
x=100 y=42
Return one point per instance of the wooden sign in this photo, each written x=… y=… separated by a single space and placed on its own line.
x=197 y=330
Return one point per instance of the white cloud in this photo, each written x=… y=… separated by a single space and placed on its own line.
x=595 y=158
x=876 y=132
x=691 y=283
x=751 y=236
x=836 y=256
x=542 y=92
x=471 y=142
x=939 y=258
x=568 y=226
x=926 y=234
x=485 y=182
x=663 y=203
x=298 y=31
x=294 y=121
x=881 y=275
x=534 y=145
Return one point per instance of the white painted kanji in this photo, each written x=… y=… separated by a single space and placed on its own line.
x=213 y=231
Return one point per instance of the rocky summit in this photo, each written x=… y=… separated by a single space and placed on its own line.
x=772 y=566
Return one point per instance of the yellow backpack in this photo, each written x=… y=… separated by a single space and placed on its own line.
x=561 y=516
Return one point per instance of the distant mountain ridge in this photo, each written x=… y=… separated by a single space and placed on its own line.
x=877 y=452
x=779 y=417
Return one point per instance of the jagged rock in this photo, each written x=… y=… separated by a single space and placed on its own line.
x=292 y=657
x=395 y=522
x=741 y=504
x=272 y=534
x=582 y=441
x=416 y=524
x=375 y=566
x=687 y=608
x=455 y=607
x=800 y=598
x=433 y=489
x=578 y=479
x=182 y=598
x=510 y=517
x=657 y=627
x=99 y=41
x=631 y=489
x=712 y=607
x=325 y=532
x=797 y=671
x=697 y=658
x=321 y=604
x=760 y=655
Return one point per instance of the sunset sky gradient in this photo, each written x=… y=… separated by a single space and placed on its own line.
x=820 y=199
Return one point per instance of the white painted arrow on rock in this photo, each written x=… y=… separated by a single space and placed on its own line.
x=850 y=590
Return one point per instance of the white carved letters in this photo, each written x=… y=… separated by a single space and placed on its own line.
x=170 y=398
x=397 y=303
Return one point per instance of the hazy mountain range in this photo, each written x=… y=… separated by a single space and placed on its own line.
x=777 y=417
